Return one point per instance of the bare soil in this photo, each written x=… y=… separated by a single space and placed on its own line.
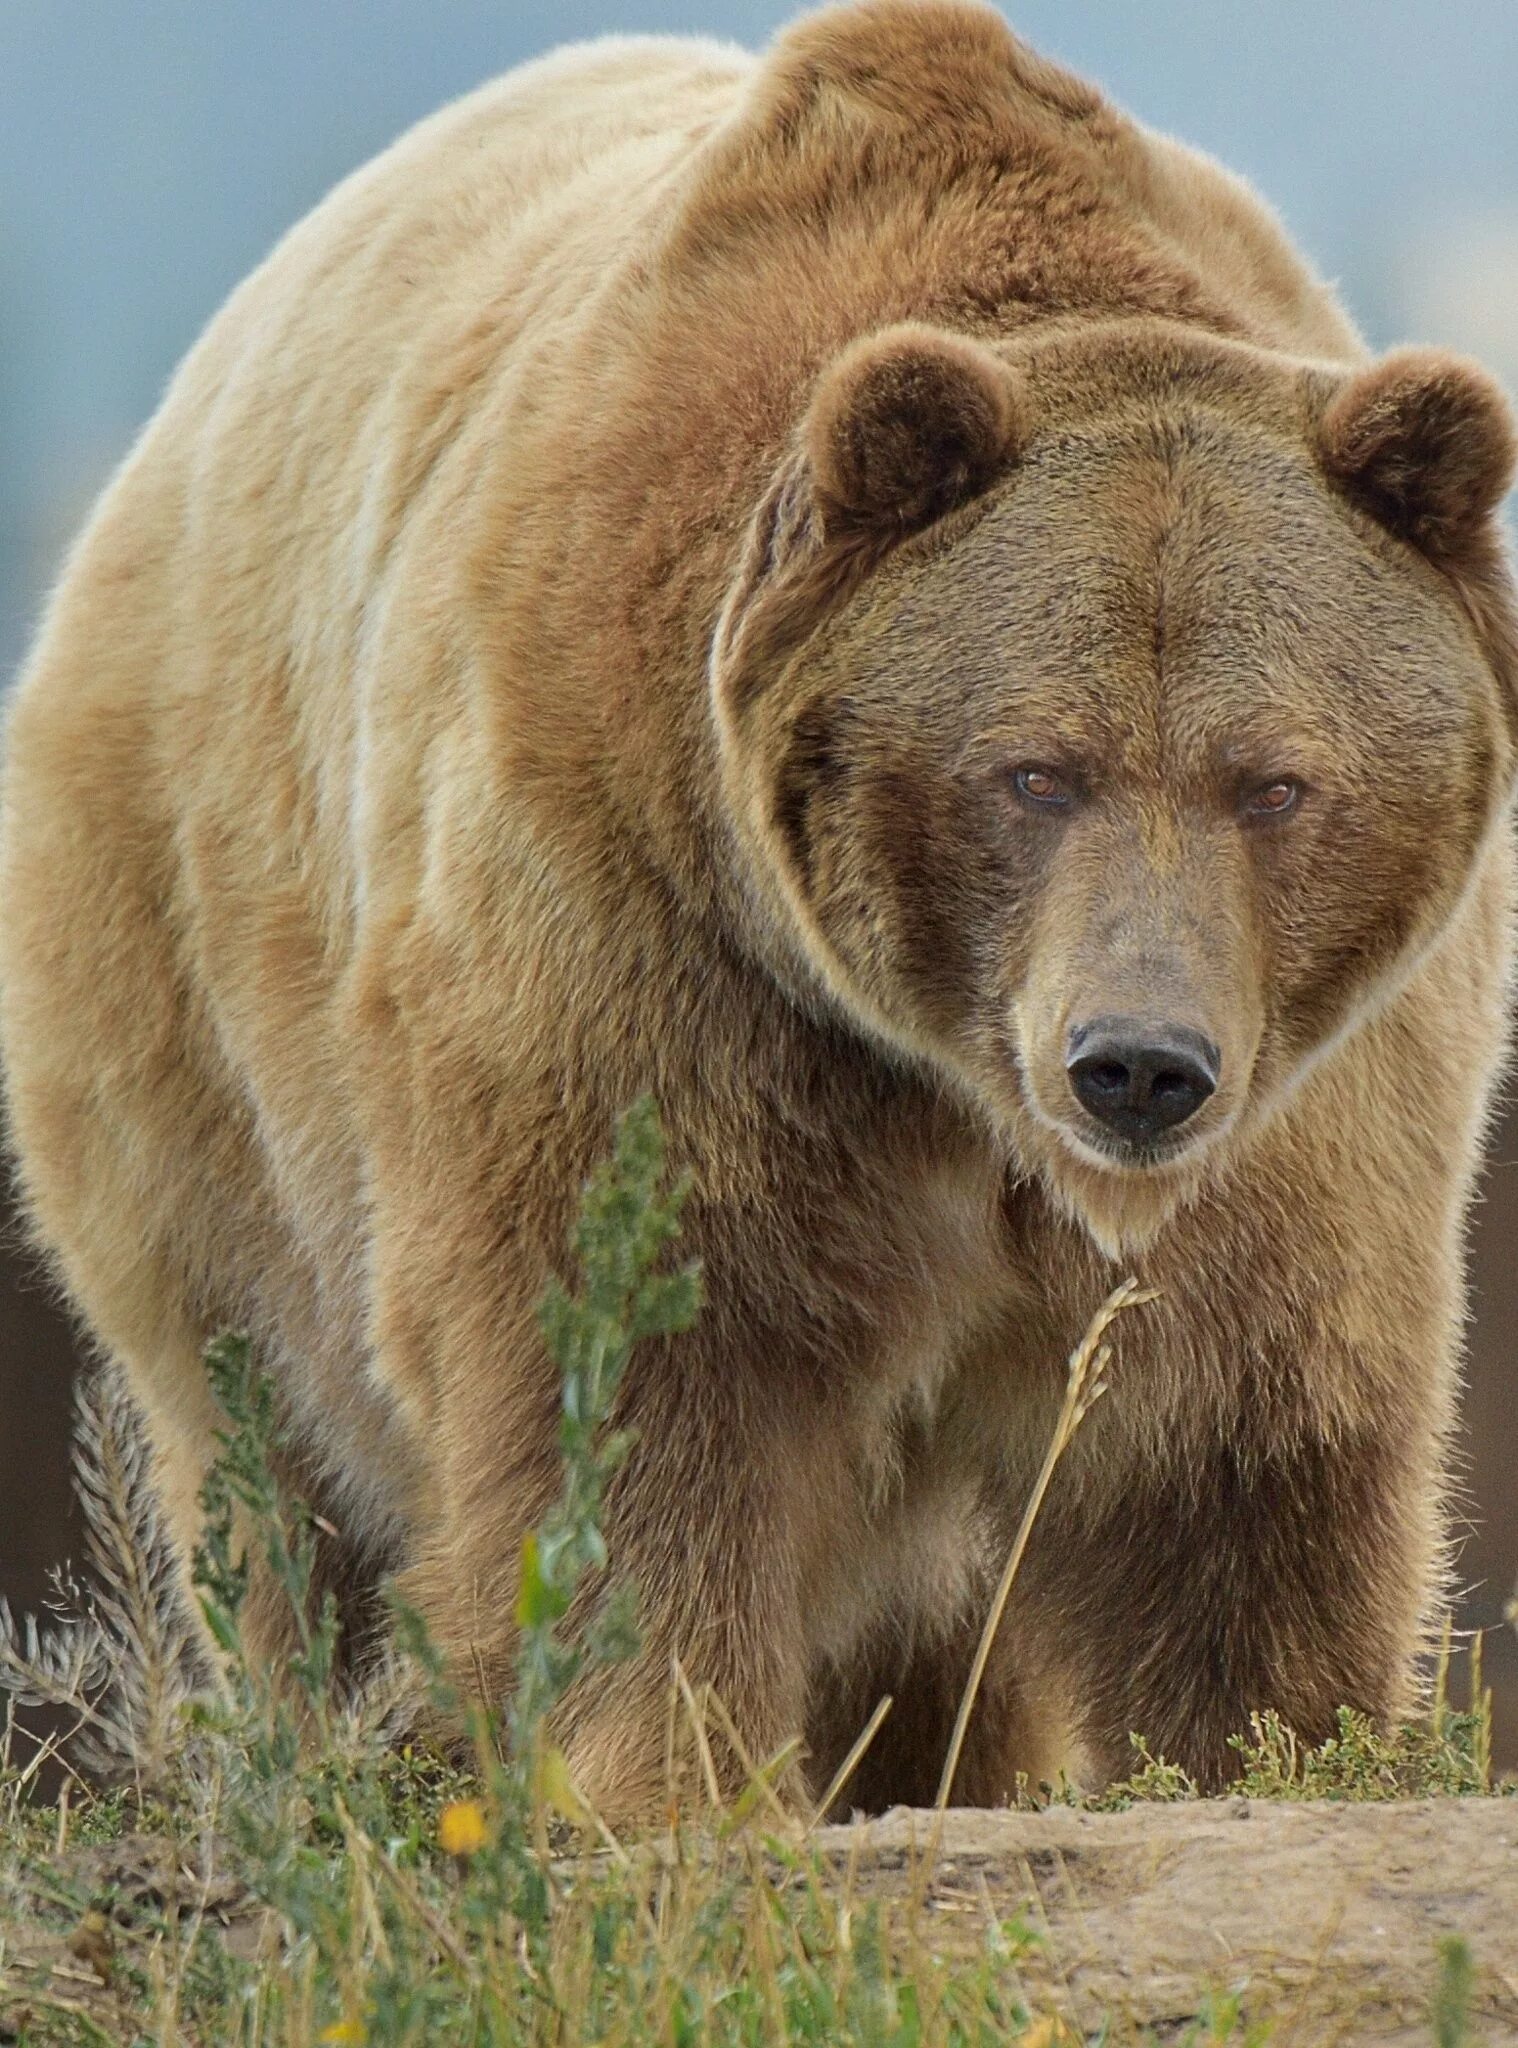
x=1325 y=1918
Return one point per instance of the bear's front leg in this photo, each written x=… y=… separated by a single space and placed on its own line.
x=708 y=1522
x=703 y=1522
x=1239 y=1579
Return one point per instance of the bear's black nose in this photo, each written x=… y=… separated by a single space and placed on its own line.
x=1141 y=1079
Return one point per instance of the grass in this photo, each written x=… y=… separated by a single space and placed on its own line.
x=275 y=1870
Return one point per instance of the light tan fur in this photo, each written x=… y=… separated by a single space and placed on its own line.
x=568 y=632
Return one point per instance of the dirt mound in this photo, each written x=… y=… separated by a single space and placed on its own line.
x=1326 y=1918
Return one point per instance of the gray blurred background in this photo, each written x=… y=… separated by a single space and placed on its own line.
x=152 y=150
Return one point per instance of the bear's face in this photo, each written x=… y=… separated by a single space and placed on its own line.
x=1124 y=787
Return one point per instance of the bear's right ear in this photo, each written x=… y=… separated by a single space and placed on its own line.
x=904 y=426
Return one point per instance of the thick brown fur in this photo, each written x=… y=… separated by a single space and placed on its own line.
x=906 y=425
x=573 y=629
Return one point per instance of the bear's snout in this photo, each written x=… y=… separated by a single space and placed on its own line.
x=1141 y=1079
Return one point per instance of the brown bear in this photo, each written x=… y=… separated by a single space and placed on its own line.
x=869 y=596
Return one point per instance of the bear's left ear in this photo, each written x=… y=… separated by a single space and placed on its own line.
x=1425 y=441
x=906 y=424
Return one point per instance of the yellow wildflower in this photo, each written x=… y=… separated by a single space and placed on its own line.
x=461 y=1827
x=343 y=2034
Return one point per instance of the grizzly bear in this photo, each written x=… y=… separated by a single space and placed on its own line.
x=868 y=596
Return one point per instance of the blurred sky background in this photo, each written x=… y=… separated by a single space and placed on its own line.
x=152 y=150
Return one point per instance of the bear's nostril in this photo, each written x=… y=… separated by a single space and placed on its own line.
x=1141 y=1080
x=1108 y=1076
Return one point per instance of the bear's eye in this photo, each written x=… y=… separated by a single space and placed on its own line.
x=1275 y=799
x=1041 y=786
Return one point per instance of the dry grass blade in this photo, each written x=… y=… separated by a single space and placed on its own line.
x=60 y=1666
x=845 y=1771
x=116 y=1652
x=758 y=1778
x=696 y=1714
x=1084 y=1386
x=135 y=1587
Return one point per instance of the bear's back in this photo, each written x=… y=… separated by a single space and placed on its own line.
x=399 y=612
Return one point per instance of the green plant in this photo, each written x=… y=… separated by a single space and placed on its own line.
x=627 y=1219
x=1152 y=1780
x=243 y=1492
x=1452 y=1997
x=1446 y=1755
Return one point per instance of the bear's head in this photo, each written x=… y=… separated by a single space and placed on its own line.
x=1113 y=720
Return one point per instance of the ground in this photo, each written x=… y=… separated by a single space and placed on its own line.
x=1326 y=1917
x=1208 y=1920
